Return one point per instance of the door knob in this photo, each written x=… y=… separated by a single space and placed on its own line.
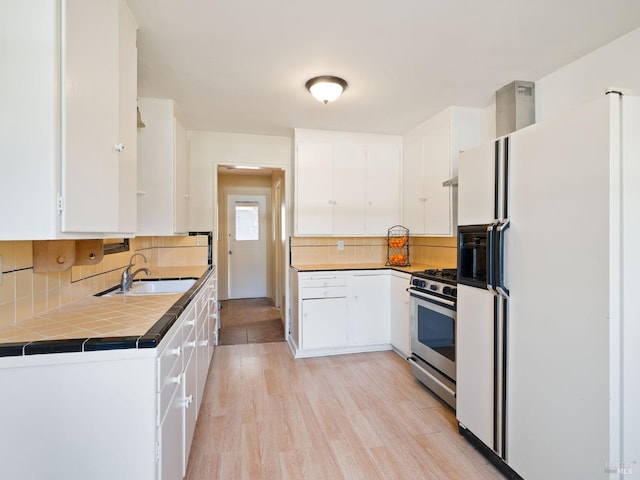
x=230 y=252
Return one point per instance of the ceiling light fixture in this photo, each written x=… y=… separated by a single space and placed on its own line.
x=326 y=88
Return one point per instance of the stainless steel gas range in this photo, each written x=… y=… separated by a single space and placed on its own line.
x=433 y=331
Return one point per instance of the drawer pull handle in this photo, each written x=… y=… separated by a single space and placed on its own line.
x=190 y=344
x=177 y=379
x=189 y=323
x=175 y=351
x=188 y=401
x=204 y=343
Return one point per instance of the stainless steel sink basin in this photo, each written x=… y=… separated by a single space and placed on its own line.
x=155 y=287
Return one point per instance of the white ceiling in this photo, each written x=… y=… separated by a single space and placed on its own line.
x=241 y=65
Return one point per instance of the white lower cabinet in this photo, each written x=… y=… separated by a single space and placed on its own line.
x=169 y=448
x=324 y=322
x=369 y=309
x=400 y=313
x=125 y=414
x=340 y=311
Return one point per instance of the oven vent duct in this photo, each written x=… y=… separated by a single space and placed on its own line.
x=515 y=107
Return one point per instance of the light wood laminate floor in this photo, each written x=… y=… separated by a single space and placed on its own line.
x=266 y=415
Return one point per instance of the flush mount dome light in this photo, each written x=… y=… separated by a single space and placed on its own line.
x=326 y=88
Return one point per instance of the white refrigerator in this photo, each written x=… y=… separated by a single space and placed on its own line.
x=548 y=354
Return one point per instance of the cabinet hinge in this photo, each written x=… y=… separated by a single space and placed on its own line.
x=157 y=451
x=60 y=203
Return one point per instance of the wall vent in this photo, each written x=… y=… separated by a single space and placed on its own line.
x=515 y=107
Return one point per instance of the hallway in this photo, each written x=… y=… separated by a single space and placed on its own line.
x=250 y=320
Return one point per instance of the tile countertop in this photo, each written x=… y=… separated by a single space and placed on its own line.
x=361 y=266
x=103 y=323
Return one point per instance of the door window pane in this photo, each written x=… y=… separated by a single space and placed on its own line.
x=247 y=221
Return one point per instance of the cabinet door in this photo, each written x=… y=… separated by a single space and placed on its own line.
x=171 y=440
x=202 y=364
x=128 y=122
x=382 y=185
x=90 y=116
x=348 y=189
x=313 y=188
x=400 y=314
x=412 y=184
x=369 y=309
x=189 y=411
x=437 y=161
x=324 y=323
x=476 y=175
x=295 y=319
x=474 y=361
x=156 y=179
x=181 y=179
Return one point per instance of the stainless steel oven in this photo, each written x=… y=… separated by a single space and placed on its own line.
x=433 y=331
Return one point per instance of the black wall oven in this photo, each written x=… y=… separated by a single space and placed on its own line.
x=475 y=251
x=433 y=331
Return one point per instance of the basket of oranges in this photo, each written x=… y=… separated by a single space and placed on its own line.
x=398 y=246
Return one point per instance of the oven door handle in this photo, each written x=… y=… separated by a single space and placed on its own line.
x=430 y=298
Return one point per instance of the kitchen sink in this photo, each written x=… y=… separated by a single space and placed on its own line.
x=154 y=287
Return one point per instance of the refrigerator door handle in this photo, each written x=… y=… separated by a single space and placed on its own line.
x=491 y=273
x=500 y=287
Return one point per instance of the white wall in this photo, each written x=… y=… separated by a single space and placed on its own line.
x=207 y=150
x=615 y=64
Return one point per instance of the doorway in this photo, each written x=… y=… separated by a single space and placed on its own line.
x=251 y=248
x=247 y=246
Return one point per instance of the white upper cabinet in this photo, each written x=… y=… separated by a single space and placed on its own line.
x=346 y=183
x=70 y=85
x=314 y=187
x=430 y=158
x=163 y=194
x=382 y=187
x=128 y=122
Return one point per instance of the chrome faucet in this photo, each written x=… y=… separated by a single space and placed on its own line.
x=127 y=276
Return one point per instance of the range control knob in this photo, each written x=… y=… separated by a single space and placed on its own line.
x=454 y=292
x=446 y=290
x=433 y=287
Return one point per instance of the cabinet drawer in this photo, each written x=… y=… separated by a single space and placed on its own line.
x=169 y=384
x=169 y=357
x=188 y=321
x=189 y=344
x=201 y=300
x=323 y=292
x=202 y=310
x=323 y=282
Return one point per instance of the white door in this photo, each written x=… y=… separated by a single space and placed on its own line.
x=247 y=246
